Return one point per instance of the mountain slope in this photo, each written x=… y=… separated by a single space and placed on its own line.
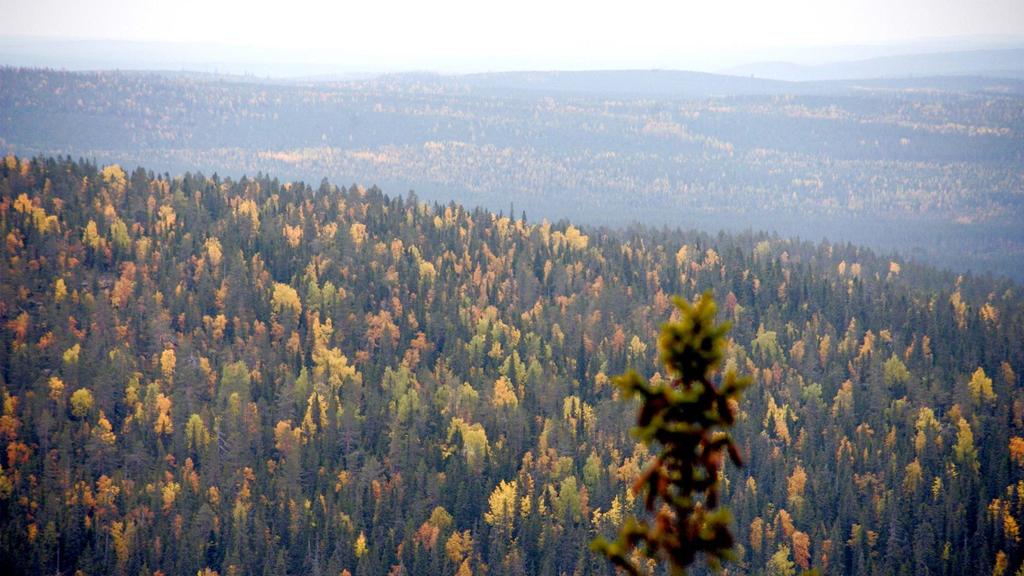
x=256 y=376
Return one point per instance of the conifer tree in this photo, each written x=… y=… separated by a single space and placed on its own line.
x=688 y=417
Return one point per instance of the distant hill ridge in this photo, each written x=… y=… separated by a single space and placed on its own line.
x=1001 y=63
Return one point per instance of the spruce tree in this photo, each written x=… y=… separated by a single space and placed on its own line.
x=688 y=417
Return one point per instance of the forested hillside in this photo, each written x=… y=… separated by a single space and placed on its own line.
x=258 y=377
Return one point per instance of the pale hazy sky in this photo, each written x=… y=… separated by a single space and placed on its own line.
x=449 y=34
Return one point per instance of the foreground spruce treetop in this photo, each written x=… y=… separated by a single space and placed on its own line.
x=688 y=417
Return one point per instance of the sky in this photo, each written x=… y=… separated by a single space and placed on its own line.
x=472 y=35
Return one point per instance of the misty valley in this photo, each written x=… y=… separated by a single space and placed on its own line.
x=926 y=167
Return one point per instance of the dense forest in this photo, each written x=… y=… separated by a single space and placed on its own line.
x=929 y=168
x=261 y=377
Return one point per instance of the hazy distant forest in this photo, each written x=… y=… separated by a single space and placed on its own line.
x=928 y=167
x=256 y=377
